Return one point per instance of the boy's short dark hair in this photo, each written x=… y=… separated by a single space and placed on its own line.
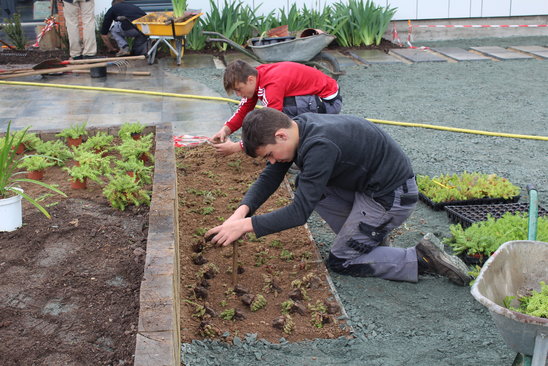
x=259 y=128
x=237 y=72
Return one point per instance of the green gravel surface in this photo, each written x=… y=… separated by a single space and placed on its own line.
x=433 y=322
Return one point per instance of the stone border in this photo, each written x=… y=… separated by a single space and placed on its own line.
x=158 y=340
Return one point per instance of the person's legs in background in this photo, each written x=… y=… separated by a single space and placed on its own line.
x=88 y=24
x=71 y=11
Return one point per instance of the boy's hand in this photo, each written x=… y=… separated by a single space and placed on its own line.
x=227 y=148
x=221 y=135
x=229 y=231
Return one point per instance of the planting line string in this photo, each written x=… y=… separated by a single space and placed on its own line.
x=222 y=99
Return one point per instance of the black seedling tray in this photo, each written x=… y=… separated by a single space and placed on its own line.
x=467 y=215
x=437 y=206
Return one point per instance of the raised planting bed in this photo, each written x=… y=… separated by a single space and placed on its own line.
x=74 y=287
x=467 y=215
x=466 y=189
x=276 y=287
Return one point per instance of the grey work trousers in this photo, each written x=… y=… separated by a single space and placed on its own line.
x=361 y=224
x=293 y=106
x=120 y=35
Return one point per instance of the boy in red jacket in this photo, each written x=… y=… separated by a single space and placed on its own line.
x=289 y=87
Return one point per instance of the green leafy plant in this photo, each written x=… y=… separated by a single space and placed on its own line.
x=100 y=142
x=74 y=131
x=319 y=313
x=35 y=162
x=54 y=149
x=484 y=237
x=286 y=255
x=534 y=303
x=127 y=129
x=466 y=186
x=287 y=306
x=137 y=148
x=179 y=8
x=83 y=172
x=228 y=314
x=142 y=172
x=258 y=302
x=94 y=161
x=30 y=140
x=9 y=181
x=14 y=31
x=122 y=190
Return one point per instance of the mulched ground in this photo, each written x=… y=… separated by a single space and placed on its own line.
x=69 y=285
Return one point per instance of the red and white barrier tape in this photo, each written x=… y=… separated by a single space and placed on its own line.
x=188 y=140
x=481 y=26
x=50 y=23
x=396 y=38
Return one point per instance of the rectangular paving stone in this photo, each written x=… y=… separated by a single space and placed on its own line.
x=501 y=53
x=460 y=54
x=534 y=50
x=417 y=55
x=197 y=61
x=229 y=57
x=374 y=57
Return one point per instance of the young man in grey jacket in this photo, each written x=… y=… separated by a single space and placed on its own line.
x=355 y=176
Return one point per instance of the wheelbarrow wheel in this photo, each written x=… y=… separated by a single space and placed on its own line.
x=327 y=63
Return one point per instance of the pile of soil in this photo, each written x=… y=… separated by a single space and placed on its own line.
x=280 y=267
x=69 y=285
x=32 y=56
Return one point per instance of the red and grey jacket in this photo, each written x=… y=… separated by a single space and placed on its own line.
x=284 y=79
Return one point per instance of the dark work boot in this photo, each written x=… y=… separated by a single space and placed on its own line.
x=433 y=259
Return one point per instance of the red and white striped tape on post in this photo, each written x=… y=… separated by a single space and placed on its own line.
x=188 y=140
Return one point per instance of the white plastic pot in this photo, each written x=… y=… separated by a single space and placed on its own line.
x=11 y=213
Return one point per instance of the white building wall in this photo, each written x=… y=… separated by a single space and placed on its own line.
x=407 y=9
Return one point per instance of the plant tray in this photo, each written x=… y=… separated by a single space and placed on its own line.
x=467 y=215
x=437 y=206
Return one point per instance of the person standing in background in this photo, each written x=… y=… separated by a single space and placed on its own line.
x=87 y=47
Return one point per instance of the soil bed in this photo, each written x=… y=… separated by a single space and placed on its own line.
x=266 y=266
x=69 y=286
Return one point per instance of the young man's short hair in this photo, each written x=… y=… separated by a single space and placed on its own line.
x=237 y=72
x=259 y=128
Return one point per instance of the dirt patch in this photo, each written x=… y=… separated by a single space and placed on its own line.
x=17 y=57
x=279 y=267
x=69 y=285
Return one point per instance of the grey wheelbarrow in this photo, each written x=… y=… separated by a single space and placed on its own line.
x=306 y=49
x=515 y=268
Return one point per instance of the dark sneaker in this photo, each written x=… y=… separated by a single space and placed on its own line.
x=433 y=259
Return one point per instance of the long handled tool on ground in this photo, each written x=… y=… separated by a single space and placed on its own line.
x=133 y=73
x=121 y=65
x=55 y=62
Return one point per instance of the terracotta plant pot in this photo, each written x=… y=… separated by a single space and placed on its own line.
x=20 y=149
x=74 y=142
x=144 y=158
x=76 y=184
x=132 y=174
x=136 y=135
x=35 y=174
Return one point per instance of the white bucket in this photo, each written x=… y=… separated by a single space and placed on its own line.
x=11 y=213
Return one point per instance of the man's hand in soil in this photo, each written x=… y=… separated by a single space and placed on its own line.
x=232 y=229
x=227 y=148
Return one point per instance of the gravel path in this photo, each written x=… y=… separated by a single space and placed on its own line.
x=432 y=322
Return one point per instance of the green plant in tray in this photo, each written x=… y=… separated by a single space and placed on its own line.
x=465 y=186
x=484 y=237
x=137 y=148
x=142 y=172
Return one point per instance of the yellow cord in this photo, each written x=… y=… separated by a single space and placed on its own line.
x=221 y=99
